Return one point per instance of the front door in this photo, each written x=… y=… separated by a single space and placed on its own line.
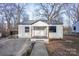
x=40 y=31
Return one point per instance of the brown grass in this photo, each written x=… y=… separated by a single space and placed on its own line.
x=67 y=46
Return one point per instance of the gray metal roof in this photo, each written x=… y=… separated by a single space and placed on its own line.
x=30 y=22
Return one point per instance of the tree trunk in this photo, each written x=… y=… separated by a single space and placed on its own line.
x=9 y=29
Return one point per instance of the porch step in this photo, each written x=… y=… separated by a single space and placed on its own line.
x=40 y=37
x=45 y=40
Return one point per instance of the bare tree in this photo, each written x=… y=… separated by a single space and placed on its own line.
x=7 y=10
x=76 y=10
x=20 y=11
x=72 y=11
x=51 y=10
x=11 y=11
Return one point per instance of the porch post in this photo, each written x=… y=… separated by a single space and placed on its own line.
x=47 y=31
x=30 y=31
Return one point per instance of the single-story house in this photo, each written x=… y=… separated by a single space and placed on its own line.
x=40 y=30
x=75 y=27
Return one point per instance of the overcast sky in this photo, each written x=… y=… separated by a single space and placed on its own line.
x=30 y=10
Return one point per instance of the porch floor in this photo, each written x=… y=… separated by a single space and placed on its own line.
x=39 y=37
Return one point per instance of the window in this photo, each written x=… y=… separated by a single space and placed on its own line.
x=52 y=29
x=26 y=29
x=74 y=28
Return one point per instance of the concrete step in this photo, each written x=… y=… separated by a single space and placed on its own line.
x=45 y=40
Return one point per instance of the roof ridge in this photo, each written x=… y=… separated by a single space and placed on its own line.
x=29 y=22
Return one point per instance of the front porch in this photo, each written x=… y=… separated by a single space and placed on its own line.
x=39 y=33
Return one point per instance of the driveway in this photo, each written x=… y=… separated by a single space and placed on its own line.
x=11 y=47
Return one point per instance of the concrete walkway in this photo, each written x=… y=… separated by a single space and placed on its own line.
x=39 y=49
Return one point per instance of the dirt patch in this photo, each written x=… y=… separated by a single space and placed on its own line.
x=69 y=46
x=55 y=46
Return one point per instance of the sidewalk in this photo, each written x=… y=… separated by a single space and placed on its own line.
x=39 y=49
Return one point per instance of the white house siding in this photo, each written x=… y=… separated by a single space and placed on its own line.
x=44 y=32
x=22 y=33
x=58 y=34
x=77 y=27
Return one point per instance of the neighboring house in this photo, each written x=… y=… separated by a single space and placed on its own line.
x=40 y=30
x=75 y=27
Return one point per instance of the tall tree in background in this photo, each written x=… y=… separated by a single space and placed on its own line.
x=19 y=12
x=72 y=11
x=51 y=10
x=11 y=11
x=7 y=10
x=76 y=12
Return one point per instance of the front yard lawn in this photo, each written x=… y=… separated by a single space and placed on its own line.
x=69 y=46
